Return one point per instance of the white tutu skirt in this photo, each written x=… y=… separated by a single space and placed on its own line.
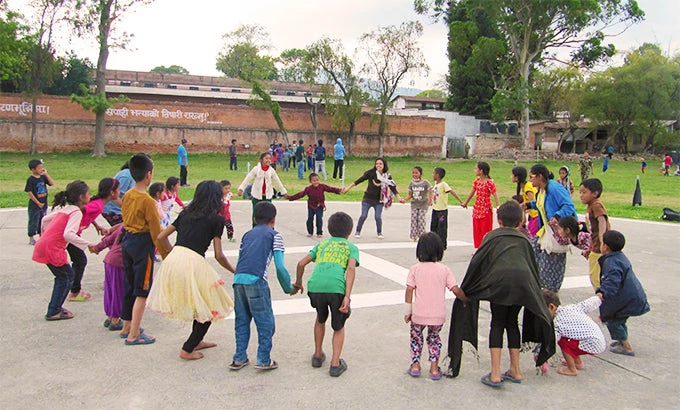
x=187 y=288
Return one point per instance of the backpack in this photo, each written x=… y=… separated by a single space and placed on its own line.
x=320 y=154
x=670 y=215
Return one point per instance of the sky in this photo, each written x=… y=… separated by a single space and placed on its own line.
x=189 y=33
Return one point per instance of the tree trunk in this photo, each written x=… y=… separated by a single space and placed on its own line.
x=352 y=125
x=524 y=90
x=381 y=129
x=34 y=121
x=100 y=81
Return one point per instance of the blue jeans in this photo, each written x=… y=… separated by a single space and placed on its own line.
x=365 y=206
x=618 y=328
x=301 y=169
x=63 y=277
x=253 y=302
x=311 y=215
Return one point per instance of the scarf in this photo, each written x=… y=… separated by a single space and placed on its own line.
x=386 y=194
x=264 y=182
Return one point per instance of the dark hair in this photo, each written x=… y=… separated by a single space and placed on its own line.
x=593 y=185
x=320 y=142
x=301 y=143
x=510 y=214
x=429 y=248
x=140 y=164
x=551 y=297
x=125 y=166
x=542 y=170
x=171 y=182
x=225 y=182
x=440 y=171
x=614 y=239
x=340 y=225
x=233 y=141
x=155 y=189
x=106 y=186
x=384 y=161
x=420 y=169
x=71 y=195
x=264 y=154
x=313 y=174
x=264 y=213
x=207 y=201
x=485 y=168
x=569 y=222
x=521 y=174
x=33 y=164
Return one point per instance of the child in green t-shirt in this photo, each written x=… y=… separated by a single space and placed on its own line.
x=330 y=287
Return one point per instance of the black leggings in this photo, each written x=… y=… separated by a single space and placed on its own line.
x=198 y=332
x=504 y=318
x=78 y=262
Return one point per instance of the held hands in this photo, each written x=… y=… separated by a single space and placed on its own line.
x=297 y=287
x=464 y=204
x=92 y=249
x=239 y=193
x=402 y=201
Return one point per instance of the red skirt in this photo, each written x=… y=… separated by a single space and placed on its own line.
x=480 y=227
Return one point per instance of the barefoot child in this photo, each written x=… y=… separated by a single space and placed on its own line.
x=420 y=195
x=576 y=333
x=482 y=212
x=114 y=278
x=428 y=280
x=58 y=230
x=330 y=287
x=36 y=188
x=316 y=202
x=187 y=287
x=621 y=293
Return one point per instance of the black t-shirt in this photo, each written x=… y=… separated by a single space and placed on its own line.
x=39 y=188
x=196 y=234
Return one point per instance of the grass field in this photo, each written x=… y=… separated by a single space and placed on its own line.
x=619 y=181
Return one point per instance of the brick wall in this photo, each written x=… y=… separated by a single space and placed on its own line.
x=158 y=127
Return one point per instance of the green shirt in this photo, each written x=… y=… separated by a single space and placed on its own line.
x=331 y=257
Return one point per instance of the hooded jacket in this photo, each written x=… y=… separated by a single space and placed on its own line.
x=339 y=149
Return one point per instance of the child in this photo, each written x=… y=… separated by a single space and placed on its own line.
x=576 y=333
x=568 y=227
x=156 y=191
x=252 y=296
x=420 y=194
x=310 y=158
x=286 y=158
x=564 y=179
x=504 y=272
x=527 y=193
x=605 y=164
x=187 y=287
x=482 y=212
x=589 y=193
x=169 y=198
x=429 y=279
x=114 y=278
x=142 y=227
x=620 y=291
x=59 y=229
x=226 y=208
x=440 y=213
x=316 y=202
x=36 y=187
x=643 y=165
x=330 y=287
x=108 y=191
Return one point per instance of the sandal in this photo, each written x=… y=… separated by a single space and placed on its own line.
x=619 y=349
x=336 y=371
x=239 y=365
x=436 y=376
x=506 y=376
x=487 y=381
x=270 y=366
x=413 y=372
x=119 y=326
x=63 y=315
x=141 y=340
x=125 y=335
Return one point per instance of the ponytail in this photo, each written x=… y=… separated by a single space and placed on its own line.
x=71 y=195
x=106 y=186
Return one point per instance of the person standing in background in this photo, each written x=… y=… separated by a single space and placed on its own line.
x=183 y=162
x=233 y=166
x=339 y=156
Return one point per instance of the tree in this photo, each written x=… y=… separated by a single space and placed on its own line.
x=294 y=66
x=391 y=53
x=16 y=41
x=535 y=27
x=173 y=69
x=74 y=76
x=432 y=94
x=343 y=96
x=99 y=17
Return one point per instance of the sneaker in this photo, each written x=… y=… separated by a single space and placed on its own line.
x=318 y=361
x=271 y=366
x=357 y=235
x=336 y=371
x=380 y=236
x=31 y=241
x=232 y=240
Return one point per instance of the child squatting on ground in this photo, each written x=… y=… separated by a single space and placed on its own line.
x=428 y=280
x=576 y=333
x=252 y=296
x=330 y=287
x=621 y=293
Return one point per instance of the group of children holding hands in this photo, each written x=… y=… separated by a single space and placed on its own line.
x=187 y=287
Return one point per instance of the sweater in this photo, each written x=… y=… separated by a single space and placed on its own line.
x=622 y=292
x=316 y=198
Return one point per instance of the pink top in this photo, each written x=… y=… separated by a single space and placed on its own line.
x=59 y=228
x=483 y=191
x=91 y=211
x=430 y=281
x=112 y=241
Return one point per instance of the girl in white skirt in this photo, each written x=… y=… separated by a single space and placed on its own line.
x=186 y=286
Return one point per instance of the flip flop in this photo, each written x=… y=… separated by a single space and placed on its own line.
x=412 y=372
x=506 y=376
x=141 y=340
x=80 y=297
x=436 y=376
x=125 y=335
x=269 y=366
x=239 y=365
x=63 y=315
x=621 y=350
x=487 y=381
x=318 y=361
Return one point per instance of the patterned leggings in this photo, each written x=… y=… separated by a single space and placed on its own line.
x=230 y=228
x=417 y=223
x=434 y=342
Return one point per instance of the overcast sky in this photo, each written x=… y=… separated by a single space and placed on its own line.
x=189 y=33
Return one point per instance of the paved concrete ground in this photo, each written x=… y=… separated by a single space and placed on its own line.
x=78 y=363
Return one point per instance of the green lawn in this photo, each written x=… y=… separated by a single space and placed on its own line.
x=619 y=181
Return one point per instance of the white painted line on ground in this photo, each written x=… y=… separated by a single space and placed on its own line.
x=386 y=269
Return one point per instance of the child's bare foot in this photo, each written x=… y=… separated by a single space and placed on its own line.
x=205 y=345
x=579 y=365
x=565 y=371
x=190 y=356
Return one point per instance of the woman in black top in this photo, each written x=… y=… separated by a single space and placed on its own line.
x=379 y=192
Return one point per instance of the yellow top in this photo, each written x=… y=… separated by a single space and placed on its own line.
x=140 y=215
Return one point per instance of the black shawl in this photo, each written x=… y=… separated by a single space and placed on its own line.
x=503 y=271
